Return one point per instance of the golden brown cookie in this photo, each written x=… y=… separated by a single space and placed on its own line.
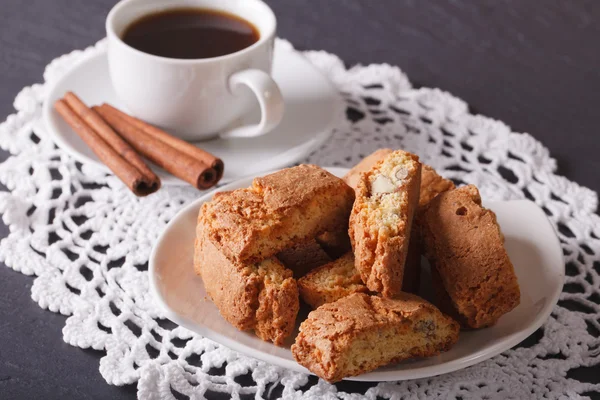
x=261 y=296
x=277 y=212
x=360 y=333
x=331 y=282
x=381 y=220
x=464 y=244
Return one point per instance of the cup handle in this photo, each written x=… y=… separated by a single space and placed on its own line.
x=269 y=98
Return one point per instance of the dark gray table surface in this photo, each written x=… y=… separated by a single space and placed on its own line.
x=533 y=65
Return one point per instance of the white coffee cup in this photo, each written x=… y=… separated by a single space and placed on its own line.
x=200 y=98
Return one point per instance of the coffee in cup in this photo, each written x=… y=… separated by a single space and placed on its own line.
x=190 y=33
x=187 y=65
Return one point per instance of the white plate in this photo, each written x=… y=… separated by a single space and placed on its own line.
x=312 y=108
x=530 y=241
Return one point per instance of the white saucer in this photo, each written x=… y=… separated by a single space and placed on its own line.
x=312 y=108
x=530 y=242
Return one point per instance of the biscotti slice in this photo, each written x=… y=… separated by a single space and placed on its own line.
x=381 y=220
x=260 y=296
x=432 y=184
x=463 y=242
x=365 y=165
x=331 y=282
x=278 y=211
x=360 y=333
x=303 y=257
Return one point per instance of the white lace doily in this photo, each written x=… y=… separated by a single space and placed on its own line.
x=87 y=239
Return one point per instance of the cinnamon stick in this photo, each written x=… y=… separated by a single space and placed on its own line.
x=95 y=121
x=178 y=163
x=135 y=180
x=179 y=144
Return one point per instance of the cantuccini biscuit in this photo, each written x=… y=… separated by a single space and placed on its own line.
x=432 y=184
x=262 y=296
x=331 y=282
x=381 y=220
x=464 y=244
x=277 y=212
x=360 y=333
